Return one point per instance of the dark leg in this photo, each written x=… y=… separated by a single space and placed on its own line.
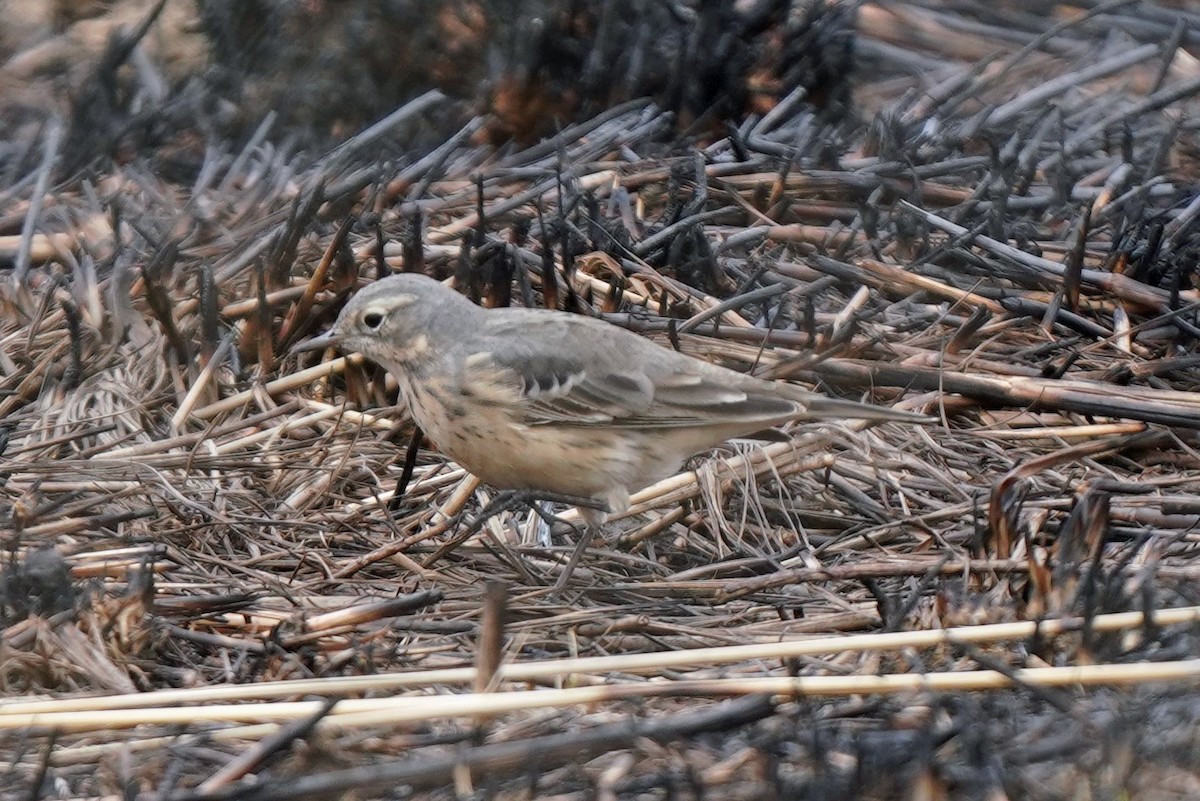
x=585 y=539
x=410 y=463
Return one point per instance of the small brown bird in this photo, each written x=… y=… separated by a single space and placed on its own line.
x=551 y=402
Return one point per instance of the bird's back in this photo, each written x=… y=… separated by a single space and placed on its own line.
x=584 y=370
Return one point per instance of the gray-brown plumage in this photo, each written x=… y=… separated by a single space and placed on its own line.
x=532 y=399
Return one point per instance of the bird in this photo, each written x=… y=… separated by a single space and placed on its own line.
x=560 y=404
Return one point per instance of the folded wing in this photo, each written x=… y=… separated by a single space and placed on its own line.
x=635 y=384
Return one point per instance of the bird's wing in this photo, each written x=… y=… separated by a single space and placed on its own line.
x=552 y=388
x=580 y=373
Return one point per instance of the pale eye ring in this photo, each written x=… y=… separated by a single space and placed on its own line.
x=373 y=320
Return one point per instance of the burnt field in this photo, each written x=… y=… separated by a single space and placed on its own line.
x=234 y=571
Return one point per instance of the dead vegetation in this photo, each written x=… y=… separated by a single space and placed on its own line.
x=228 y=573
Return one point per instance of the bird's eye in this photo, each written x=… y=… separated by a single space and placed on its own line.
x=372 y=320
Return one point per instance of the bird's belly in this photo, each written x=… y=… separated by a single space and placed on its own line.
x=584 y=461
x=558 y=460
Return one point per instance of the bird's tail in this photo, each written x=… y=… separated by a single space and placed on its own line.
x=820 y=408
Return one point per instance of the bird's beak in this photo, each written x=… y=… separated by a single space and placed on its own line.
x=329 y=339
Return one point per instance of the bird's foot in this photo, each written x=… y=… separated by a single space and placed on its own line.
x=513 y=500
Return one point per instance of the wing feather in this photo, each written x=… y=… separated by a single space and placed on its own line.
x=557 y=369
x=649 y=387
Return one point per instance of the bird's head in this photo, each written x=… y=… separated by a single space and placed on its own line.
x=399 y=320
